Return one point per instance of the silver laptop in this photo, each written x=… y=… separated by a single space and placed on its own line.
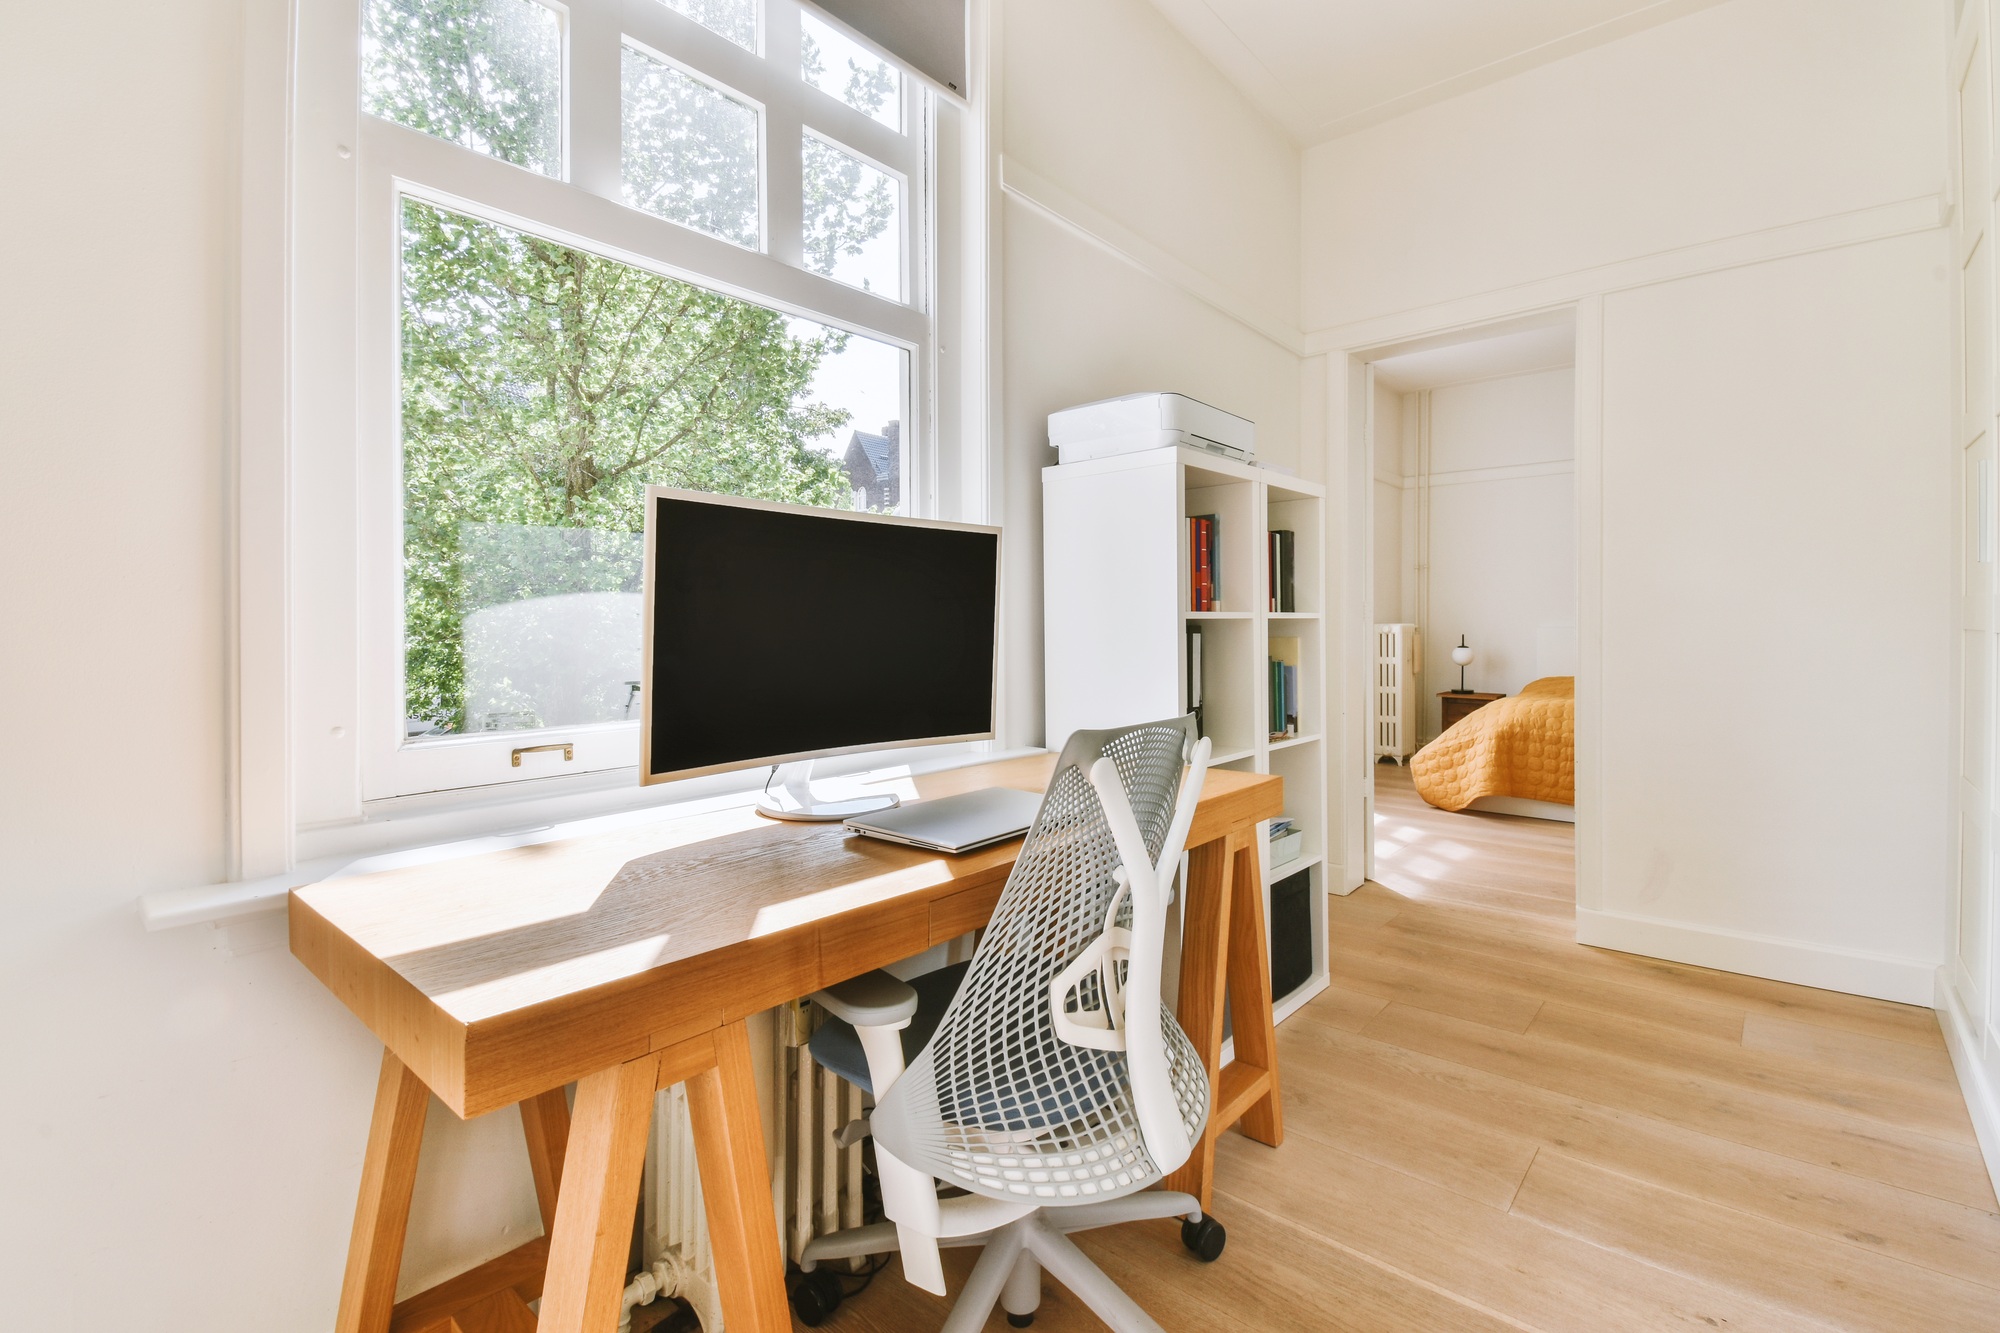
x=959 y=823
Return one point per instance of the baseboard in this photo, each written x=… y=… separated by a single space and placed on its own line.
x=1521 y=805
x=1853 y=971
x=1975 y=1080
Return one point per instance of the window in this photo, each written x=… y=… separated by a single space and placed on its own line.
x=838 y=66
x=853 y=217
x=704 y=271
x=690 y=151
x=486 y=74
x=734 y=19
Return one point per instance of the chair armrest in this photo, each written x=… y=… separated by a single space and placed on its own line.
x=871 y=1000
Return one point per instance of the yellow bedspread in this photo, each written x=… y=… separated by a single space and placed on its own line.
x=1523 y=747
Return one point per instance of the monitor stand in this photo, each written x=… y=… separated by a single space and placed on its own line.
x=789 y=796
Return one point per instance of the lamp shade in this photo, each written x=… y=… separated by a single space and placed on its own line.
x=1462 y=655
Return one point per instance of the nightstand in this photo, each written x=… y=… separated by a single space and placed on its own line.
x=1458 y=704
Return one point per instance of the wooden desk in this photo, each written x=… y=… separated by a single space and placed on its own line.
x=628 y=961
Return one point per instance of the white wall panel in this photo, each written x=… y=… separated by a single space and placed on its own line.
x=1777 y=559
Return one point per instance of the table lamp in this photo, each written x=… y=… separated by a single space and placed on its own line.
x=1461 y=655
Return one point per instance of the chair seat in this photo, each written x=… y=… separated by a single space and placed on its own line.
x=837 y=1046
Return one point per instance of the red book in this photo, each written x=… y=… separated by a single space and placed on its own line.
x=1203 y=593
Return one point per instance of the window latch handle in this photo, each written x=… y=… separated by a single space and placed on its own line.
x=568 y=750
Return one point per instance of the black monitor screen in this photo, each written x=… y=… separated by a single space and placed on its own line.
x=786 y=632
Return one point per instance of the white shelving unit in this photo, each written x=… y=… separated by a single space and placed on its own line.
x=1116 y=601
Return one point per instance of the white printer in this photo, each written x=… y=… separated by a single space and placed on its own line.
x=1149 y=421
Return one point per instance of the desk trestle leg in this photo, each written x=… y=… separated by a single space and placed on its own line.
x=382 y=1216
x=545 y=1122
x=736 y=1191
x=593 y=1231
x=1224 y=952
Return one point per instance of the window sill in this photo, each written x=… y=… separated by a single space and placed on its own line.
x=416 y=830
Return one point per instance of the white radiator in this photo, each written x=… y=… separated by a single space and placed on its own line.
x=1398 y=660
x=815 y=1183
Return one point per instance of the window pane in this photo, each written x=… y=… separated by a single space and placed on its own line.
x=853 y=222
x=690 y=151
x=841 y=67
x=734 y=19
x=483 y=73
x=862 y=380
x=543 y=388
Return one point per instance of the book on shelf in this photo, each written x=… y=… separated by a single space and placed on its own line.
x=1204 y=562
x=1280 y=569
x=1284 y=687
x=1194 y=682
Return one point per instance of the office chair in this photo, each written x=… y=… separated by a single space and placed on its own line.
x=1055 y=1088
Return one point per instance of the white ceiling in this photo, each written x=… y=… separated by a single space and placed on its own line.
x=1324 y=68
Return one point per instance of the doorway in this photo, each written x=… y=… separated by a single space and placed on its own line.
x=1472 y=590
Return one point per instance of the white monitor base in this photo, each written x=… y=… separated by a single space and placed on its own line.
x=791 y=798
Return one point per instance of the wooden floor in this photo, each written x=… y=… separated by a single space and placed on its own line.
x=1491 y=1127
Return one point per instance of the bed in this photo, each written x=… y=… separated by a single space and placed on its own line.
x=1515 y=756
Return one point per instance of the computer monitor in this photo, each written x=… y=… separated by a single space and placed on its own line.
x=777 y=633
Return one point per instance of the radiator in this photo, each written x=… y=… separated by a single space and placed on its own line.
x=815 y=1182
x=1398 y=661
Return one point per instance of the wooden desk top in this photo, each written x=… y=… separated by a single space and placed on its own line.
x=499 y=976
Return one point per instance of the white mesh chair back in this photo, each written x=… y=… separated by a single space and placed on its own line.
x=1029 y=1096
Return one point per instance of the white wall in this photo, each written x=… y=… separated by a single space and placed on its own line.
x=1112 y=106
x=1742 y=117
x=1501 y=569
x=1387 y=492
x=1764 y=458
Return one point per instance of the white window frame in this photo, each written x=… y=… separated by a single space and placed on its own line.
x=347 y=761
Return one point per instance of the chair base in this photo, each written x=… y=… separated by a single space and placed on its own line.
x=1009 y=1270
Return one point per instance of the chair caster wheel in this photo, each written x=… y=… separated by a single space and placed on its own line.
x=815 y=1296
x=1019 y=1320
x=1206 y=1238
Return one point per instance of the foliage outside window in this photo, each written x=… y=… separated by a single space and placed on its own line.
x=484 y=74
x=544 y=385
x=835 y=63
x=690 y=151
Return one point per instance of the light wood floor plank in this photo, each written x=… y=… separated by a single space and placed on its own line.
x=1499 y=1261
x=1439 y=991
x=1466 y=1154
x=1536 y=979
x=1743 y=1115
x=1845 y=1285
x=1344 y=1008
x=1902 y=1224
x=1928 y=1108
x=1849 y=1050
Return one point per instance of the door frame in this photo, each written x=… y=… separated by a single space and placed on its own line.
x=1350 y=451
